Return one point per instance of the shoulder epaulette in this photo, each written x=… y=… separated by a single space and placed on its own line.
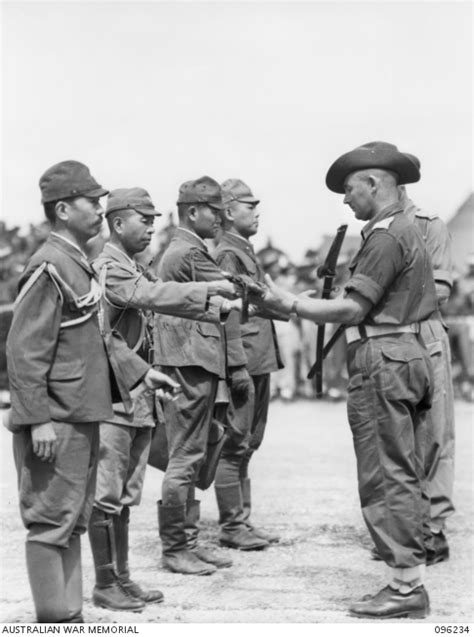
x=383 y=224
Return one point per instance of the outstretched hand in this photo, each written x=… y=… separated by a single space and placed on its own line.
x=276 y=298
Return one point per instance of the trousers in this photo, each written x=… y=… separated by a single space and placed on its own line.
x=56 y=497
x=246 y=423
x=187 y=420
x=390 y=389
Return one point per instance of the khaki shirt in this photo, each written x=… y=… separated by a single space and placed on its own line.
x=392 y=270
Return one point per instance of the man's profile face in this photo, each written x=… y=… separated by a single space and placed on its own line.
x=135 y=231
x=84 y=217
x=245 y=217
x=206 y=221
x=359 y=196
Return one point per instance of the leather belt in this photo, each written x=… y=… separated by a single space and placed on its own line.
x=358 y=332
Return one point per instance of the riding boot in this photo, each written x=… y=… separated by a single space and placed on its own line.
x=234 y=533
x=175 y=555
x=108 y=590
x=121 y=526
x=193 y=514
x=247 y=507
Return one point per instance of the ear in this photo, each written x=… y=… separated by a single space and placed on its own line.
x=192 y=212
x=61 y=210
x=117 y=225
x=373 y=182
x=228 y=214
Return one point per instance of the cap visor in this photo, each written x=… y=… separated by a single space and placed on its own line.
x=216 y=206
x=97 y=192
x=248 y=199
x=148 y=212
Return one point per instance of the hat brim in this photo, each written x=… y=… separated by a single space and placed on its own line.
x=248 y=199
x=148 y=212
x=93 y=194
x=216 y=206
x=363 y=159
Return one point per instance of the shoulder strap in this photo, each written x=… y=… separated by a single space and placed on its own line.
x=45 y=266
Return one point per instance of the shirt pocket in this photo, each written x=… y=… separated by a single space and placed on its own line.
x=66 y=370
x=209 y=330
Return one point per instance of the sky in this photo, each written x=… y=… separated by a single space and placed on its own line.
x=154 y=94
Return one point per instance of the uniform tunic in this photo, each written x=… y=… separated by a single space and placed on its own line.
x=195 y=354
x=247 y=418
x=440 y=431
x=60 y=350
x=390 y=385
x=125 y=438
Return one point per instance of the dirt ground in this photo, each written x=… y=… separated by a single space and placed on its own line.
x=304 y=486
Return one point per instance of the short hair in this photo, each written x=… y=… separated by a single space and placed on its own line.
x=184 y=207
x=50 y=208
x=50 y=211
x=116 y=214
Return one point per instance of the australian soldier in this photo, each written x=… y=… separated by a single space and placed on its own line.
x=390 y=291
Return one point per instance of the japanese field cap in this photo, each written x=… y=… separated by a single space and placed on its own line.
x=237 y=190
x=372 y=155
x=203 y=190
x=69 y=179
x=136 y=199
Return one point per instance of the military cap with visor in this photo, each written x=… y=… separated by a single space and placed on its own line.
x=381 y=155
x=137 y=199
x=67 y=180
x=204 y=190
x=237 y=190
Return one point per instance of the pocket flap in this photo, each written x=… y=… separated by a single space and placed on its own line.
x=209 y=329
x=249 y=328
x=66 y=370
x=401 y=354
x=355 y=382
x=435 y=348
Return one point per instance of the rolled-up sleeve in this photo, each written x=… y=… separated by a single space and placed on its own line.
x=377 y=267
